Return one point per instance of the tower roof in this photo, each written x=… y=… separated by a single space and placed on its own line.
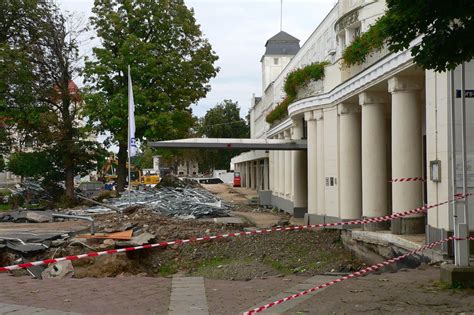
x=282 y=44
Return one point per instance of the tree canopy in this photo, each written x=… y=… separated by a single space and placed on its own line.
x=42 y=105
x=446 y=26
x=32 y=164
x=221 y=121
x=171 y=65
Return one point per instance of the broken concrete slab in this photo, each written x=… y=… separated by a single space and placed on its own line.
x=59 y=270
x=139 y=240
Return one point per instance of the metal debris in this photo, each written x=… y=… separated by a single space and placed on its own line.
x=185 y=203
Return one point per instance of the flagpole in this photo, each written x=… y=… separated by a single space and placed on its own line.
x=281 y=15
x=128 y=151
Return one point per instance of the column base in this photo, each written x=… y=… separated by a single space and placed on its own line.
x=434 y=234
x=329 y=219
x=312 y=218
x=376 y=226
x=457 y=276
x=265 y=197
x=299 y=212
x=413 y=225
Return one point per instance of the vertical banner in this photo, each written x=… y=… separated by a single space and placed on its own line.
x=132 y=146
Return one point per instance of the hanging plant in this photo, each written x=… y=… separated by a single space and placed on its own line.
x=295 y=80
x=363 y=46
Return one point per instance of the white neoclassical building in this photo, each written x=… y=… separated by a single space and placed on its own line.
x=365 y=126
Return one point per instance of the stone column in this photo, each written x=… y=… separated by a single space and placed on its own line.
x=258 y=177
x=300 y=173
x=281 y=170
x=312 y=163
x=321 y=180
x=374 y=157
x=253 y=178
x=247 y=174
x=271 y=176
x=350 y=172
x=407 y=158
x=266 y=172
x=274 y=175
x=287 y=176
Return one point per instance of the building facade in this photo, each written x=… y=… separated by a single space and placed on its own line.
x=367 y=127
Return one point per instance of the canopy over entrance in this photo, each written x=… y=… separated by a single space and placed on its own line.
x=223 y=143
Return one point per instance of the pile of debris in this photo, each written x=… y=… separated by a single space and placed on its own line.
x=183 y=203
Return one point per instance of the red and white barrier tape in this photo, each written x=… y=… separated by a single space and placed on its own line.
x=407 y=179
x=221 y=236
x=353 y=275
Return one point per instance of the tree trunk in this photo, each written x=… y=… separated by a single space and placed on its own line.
x=122 y=171
x=69 y=180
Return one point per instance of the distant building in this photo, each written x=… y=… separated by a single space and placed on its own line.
x=187 y=167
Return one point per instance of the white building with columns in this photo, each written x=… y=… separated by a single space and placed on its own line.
x=365 y=126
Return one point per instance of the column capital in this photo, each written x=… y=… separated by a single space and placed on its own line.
x=297 y=123
x=348 y=108
x=318 y=114
x=404 y=83
x=309 y=116
x=367 y=98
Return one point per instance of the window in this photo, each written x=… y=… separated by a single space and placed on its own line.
x=275 y=61
x=357 y=32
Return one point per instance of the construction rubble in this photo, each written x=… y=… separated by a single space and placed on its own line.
x=183 y=203
x=140 y=217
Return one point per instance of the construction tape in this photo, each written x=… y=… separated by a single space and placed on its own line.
x=229 y=235
x=353 y=275
x=407 y=179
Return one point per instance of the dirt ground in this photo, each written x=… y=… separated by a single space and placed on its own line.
x=239 y=258
x=236 y=195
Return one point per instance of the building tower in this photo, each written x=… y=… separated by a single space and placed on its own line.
x=280 y=49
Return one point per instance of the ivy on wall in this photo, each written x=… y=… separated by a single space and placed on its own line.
x=294 y=81
x=363 y=46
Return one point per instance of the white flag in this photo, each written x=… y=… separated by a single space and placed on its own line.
x=132 y=145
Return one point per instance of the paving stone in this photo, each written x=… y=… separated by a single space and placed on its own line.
x=307 y=284
x=188 y=296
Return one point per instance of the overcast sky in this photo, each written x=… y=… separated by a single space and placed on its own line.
x=237 y=31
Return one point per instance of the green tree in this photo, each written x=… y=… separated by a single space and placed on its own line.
x=446 y=26
x=222 y=121
x=171 y=65
x=2 y=163
x=38 y=60
x=144 y=159
x=31 y=164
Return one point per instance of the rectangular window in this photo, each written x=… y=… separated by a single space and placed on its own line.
x=275 y=61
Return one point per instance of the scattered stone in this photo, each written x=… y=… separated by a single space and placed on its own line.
x=283 y=222
x=59 y=270
x=38 y=217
